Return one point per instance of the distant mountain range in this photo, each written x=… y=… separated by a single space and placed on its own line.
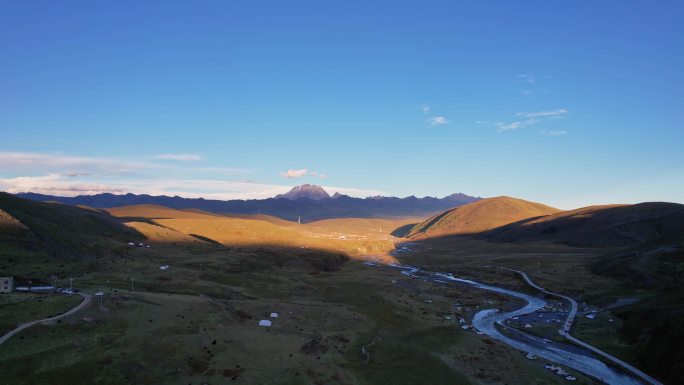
x=309 y=202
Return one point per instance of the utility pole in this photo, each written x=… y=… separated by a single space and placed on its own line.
x=71 y=284
x=131 y=283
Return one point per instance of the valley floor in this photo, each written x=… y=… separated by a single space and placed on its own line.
x=197 y=323
x=337 y=322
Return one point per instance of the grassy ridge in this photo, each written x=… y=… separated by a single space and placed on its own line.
x=480 y=216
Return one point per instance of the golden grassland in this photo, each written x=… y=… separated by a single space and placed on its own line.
x=355 y=237
x=480 y=216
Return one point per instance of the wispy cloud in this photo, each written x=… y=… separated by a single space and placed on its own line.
x=543 y=114
x=435 y=120
x=56 y=184
x=532 y=84
x=293 y=174
x=532 y=118
x=438 y=120
x=527 y=78
x=178 y=157
x=81 y=166
x=502 y=126
x=17 y=161
x=554 y=132
x=76 y=174
x=68 y=175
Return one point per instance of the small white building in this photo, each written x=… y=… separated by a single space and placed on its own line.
x=274 y=315
x=6 y=284
x=265 y=322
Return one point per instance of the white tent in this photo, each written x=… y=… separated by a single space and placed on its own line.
x=264 y=322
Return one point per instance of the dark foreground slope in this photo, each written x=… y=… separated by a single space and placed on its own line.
x=54 y=227
x=40 y=236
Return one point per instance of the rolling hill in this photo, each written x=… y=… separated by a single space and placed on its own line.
x=479 y=216
x=10 y=224
x=152 y=211
x=599 y=226
x=353 y=236
x=37 y=238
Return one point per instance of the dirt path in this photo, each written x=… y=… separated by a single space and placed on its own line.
x=86 y=300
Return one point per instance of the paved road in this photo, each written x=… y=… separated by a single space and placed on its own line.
x=565 y=331
x=573 y=304
x=492 y=322
x=26 y=325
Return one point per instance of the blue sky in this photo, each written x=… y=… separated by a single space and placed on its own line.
x=566 y=103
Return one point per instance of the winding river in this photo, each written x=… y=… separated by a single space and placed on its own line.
x=491 y=322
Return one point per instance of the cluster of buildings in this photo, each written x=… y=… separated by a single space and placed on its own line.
x=7 y=286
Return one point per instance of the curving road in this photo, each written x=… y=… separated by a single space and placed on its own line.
x=565 y=331
x=492 y=323
x=26 y=325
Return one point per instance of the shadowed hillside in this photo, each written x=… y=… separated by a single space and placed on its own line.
x=599 y=226
x=480 y=216
x=10 y=224
x=57 y=229
x=47 y=239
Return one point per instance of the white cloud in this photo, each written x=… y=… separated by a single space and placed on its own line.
x=81 y=166
x=18 y=161
x=291 y=174
x=544 y=114
x=501 y=126
x=76 y=174
x=425 y=109
x=554 y=132
x=56 y=184
x=532 y=118
x=438 y=120
x=178 y=157
x=66 y=175
x=532 y=84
